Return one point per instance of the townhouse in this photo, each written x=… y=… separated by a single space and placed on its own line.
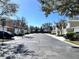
x=72 y=26
x=13 y=26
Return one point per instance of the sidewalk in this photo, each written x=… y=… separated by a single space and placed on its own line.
x=63 y=39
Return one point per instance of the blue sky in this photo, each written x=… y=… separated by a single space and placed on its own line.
x=31 y=10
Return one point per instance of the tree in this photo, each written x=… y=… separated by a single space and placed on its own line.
x=23 y=24
x=7 y=8
x=63 y=7
x=32 y=29
x=47 y=27
x=37 y=29
x=61 y=25
x=41 y=29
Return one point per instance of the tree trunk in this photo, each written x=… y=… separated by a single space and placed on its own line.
x=61 y=32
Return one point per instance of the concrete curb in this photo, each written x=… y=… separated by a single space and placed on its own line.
x=63 y=40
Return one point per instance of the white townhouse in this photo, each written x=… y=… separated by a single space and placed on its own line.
x=72 y=26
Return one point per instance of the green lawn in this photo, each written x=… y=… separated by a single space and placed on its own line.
x=74 y=42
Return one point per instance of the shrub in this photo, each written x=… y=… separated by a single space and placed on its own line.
x=53 y=33
x=71 y=36
x=77 y=36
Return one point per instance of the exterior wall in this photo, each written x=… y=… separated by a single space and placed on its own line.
x=9 y=24
x=67 y=27
x=18 y=23
x=17 y=26
x=73 y=25
x=17 y=31
x=76 y=29
x=12 y=25
x=25 y=31
x=57 y=31
x=1 y=28
x=64 y=31
x=54 y=30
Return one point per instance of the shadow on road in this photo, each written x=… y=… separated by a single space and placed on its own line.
x=12 y=51
x=29 y=37
x=75 y=47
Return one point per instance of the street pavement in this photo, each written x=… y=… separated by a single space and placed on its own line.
x=46 y=47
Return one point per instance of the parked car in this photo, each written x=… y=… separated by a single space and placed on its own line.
x=6 y=35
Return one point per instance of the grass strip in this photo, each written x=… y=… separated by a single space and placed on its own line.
x=74 y=42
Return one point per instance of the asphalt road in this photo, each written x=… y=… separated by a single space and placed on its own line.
x=46 y=47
